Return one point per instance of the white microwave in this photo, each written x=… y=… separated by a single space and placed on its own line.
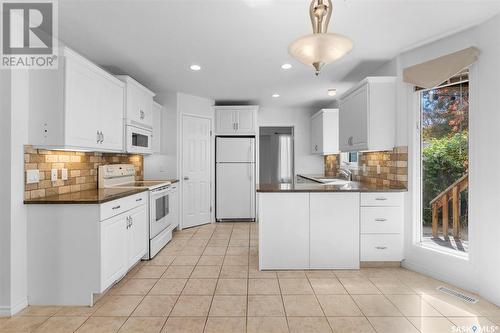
x=138 y=140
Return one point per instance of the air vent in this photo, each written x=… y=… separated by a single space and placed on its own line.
x=457 y=294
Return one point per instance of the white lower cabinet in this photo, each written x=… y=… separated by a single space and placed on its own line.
x=381 y=247
x=124 y=240
x=137 y=239
x=78 y=250
x=113 y=250
x=329 y=230
x=284 y=230
x=334 y=230
x=308 y=230
x=382 y=226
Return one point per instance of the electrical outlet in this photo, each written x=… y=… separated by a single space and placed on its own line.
x=378 y=169
x=53 y=175
x=32 y=176
x=64 y=174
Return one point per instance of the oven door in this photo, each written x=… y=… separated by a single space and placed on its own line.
x=159 y=211
x=139 y=140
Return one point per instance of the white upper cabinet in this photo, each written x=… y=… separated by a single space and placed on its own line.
x=138 y=103
x=157 y=128
x=325 y=132
x=78 y=106
x=368 y=115
x=236 y=120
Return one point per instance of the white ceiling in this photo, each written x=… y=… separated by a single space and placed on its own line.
x=241 y=44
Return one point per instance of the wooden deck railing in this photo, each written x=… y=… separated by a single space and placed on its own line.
x=441 y=201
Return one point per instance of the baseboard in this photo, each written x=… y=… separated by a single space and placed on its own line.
x=439 y=276
x=6 y=311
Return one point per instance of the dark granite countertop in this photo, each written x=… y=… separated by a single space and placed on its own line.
x=95 y=196
x=307 y=185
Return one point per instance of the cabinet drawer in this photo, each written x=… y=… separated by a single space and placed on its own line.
x=384 y=199
x=381 y=220
x=381 y=247
x=115 y=207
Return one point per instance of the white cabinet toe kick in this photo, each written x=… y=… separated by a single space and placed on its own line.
x=329 y=230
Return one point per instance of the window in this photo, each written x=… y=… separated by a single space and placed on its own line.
x=350 y=159
x=444 y=161
x=285 y=156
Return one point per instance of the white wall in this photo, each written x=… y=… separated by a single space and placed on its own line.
x=5 y=138
x=13 y=260
x=300 y=119
x=164 y=164
x=481 y=272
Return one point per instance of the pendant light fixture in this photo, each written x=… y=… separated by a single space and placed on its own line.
x=321 y=47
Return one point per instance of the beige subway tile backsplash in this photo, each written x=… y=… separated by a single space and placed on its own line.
x=393 y=167
x=82 y=170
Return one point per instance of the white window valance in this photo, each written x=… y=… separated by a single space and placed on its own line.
x=431 y=73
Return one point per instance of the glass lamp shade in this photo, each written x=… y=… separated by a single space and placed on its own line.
x=320 y=49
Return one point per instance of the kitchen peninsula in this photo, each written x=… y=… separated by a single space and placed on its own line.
x=312 y=225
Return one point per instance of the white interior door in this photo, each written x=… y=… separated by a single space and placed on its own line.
x=196 y=175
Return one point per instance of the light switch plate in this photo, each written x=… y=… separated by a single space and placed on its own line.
x=32 y=176
x=53 y=175
x=64 y=174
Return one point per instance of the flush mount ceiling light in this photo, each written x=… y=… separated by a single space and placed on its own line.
x=286 y=66
x=195 y=67
x=332 y=92
x=321 y=47
x=275 y=95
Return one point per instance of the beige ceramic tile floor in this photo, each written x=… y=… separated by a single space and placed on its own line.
x=207 y=280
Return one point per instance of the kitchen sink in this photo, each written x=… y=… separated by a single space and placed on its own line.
x=332 y=181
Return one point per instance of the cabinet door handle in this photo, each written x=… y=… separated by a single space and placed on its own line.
x=380 y=220
x=316 y=147
x=98 y=137
x=116 y=207
x=137 y=200
x=381 y=247
x=350 y=140
x=142 y=114
x=128 y=223
x=131 y=221
x=380 y=198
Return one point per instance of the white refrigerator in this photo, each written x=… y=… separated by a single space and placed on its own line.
x=235 y=178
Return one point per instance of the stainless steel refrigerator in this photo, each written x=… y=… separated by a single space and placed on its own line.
x=235 y=178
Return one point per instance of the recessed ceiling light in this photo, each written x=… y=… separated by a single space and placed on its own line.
x=286 y=66
x=276 y=95
x=332 y=92
x=195 y=67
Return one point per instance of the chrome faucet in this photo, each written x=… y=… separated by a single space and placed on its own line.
x=345 y=171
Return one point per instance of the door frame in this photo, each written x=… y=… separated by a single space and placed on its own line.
x=180 y=155
x=257 y=146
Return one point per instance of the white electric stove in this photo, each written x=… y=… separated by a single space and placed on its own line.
x=160 y=223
